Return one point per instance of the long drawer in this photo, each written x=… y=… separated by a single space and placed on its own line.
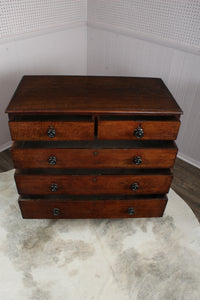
x=82 y=209
x=51 y=130
x=138 y=129
x=56 y=158
x=48 y=184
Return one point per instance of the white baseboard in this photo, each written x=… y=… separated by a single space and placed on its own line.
x=189 y=160
x=5 y=146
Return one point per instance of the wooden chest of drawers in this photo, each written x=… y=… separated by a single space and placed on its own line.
x=93 y=147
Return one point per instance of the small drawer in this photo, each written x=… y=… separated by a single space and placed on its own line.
x=89 y=209
x=51 y=130
x=27 y=157
x=52 y=184
x=144 y=129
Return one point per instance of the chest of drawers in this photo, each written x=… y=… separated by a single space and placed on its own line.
x=93 y=147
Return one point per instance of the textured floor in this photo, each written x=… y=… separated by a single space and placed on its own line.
x=5 y=161
x=186 y=182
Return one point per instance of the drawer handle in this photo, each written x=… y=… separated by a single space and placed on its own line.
x=51 y=132
x=52 y=160
x=131 y=211
x=54 y=187
x=56 y=211
x=134 y=186
x=138 y=132
x=137 y=160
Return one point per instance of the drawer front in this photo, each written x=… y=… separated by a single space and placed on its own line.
x=134 y=130
x=93 y=158
x=94 y=185
x=74 y=209
x=51 y=131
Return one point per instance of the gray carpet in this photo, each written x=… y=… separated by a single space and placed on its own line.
x=121 y=259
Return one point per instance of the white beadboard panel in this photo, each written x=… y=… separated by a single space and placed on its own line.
x=185 y=87
x=60 y=53
x=24 y=17
x=173 y=21
x=119 y=55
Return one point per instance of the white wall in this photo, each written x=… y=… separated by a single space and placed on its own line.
x=171 y=22
x=112 y=53
x=62 y=52
x=25 y=17
x=127 y=38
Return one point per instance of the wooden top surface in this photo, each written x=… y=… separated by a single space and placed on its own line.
x=92 y=95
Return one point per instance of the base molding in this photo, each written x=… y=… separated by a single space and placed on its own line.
x=189 y=160
x=5 y=146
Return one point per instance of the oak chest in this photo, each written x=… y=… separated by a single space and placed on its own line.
x=93 y=147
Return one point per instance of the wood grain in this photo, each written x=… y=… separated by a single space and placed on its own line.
x=93 y=158
x=37 y=184
x=54 y=103
x=185 y=177
x=124 y=130
x=37 y=130
x=92 y=95
x=73 y=209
